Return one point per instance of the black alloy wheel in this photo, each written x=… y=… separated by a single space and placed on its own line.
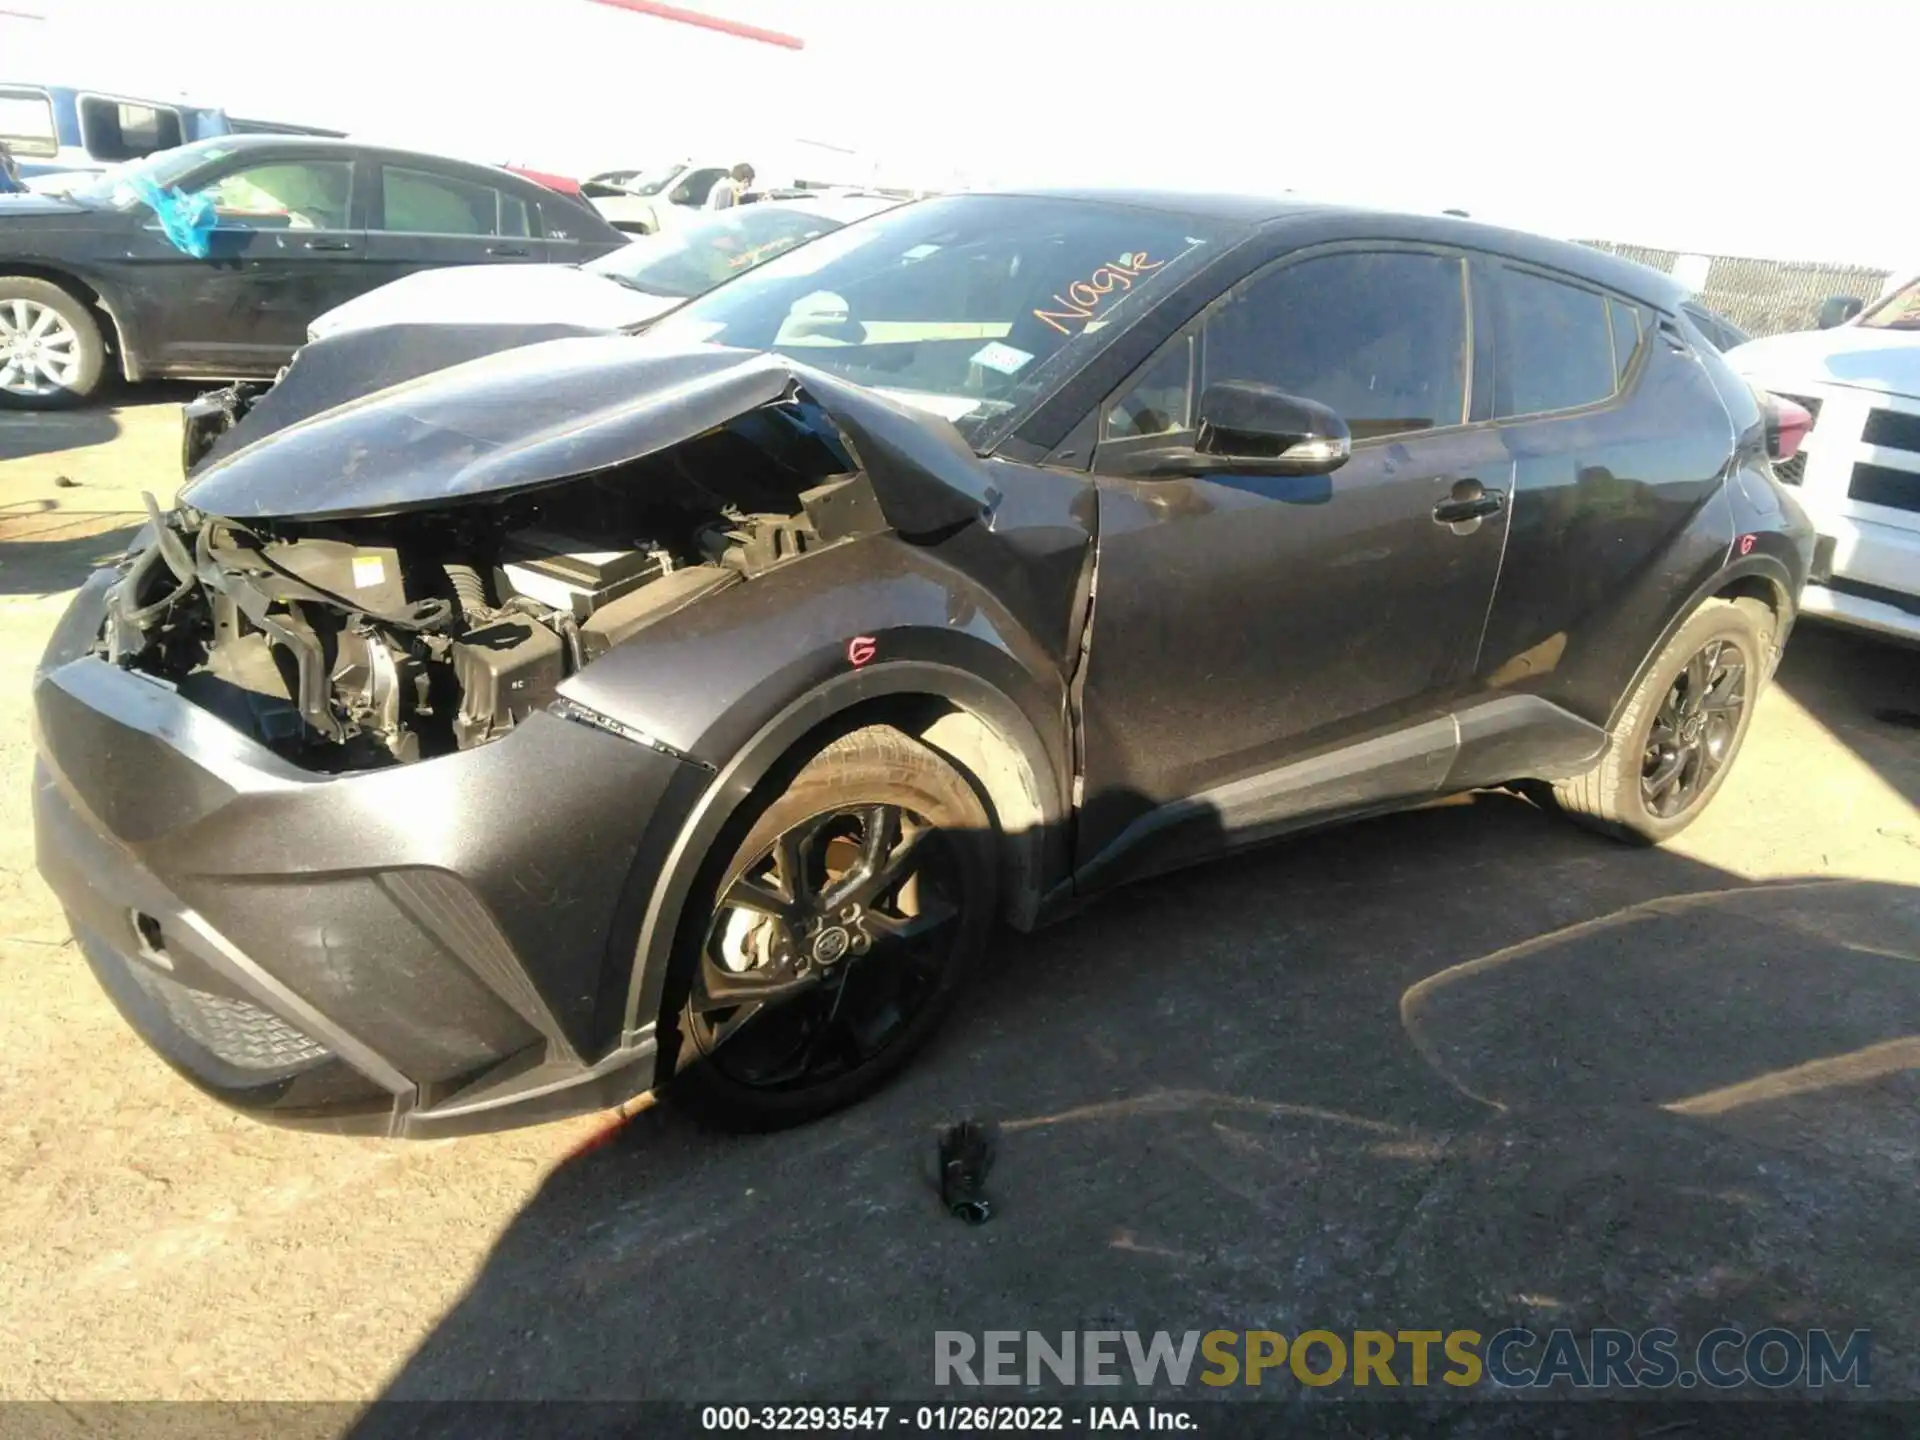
x=1674 y=741
x=836 y=936
x=1694 y=731
x=823 y=949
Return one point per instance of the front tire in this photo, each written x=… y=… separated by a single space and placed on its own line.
x=52 y=354
x=1677 y=737
x=835 y=936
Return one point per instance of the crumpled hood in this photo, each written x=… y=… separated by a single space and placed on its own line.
x=554 y=411
x=1857 y=355
x=497 y=295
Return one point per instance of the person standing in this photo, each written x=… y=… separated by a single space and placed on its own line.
x=728 y=189
x=10 y=182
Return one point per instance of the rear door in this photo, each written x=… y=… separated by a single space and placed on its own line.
x=1620 y=443
x=573 y=232
x=424 y=218
x=1245 y=624
x=289 y=244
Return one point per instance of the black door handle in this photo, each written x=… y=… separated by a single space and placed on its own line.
x=1470 y=500
x=512 y=251
x=329 y=245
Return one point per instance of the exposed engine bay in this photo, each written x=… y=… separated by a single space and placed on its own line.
x=356 y=643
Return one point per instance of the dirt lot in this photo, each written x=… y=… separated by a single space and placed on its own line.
x=1453 y=1069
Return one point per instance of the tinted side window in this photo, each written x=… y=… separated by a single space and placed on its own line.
x=419 y=203
x=1156 y=402
x=285 y=195
x=514 y=220
x=1555 y=347
x=1380 y=337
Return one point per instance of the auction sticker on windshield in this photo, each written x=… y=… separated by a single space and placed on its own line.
x=1004 y=358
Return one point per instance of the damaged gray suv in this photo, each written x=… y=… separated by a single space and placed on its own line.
x=504 y=724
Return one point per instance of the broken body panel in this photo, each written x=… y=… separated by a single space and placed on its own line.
x=373 y=617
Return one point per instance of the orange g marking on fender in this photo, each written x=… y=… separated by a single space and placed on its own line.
x=860 y=650
x=1746 y=544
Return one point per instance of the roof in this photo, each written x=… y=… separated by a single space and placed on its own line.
x=239 y=144
x=1206 y=205
x=1614 y=272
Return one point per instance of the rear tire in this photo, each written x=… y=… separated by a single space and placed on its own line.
x=868 y=991
x=1675 y=741
x=52 y=354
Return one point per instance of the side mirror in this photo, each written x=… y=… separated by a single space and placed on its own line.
x=1249 y=429
x=1266 y=431
x=1838 y=309
x=680 y=196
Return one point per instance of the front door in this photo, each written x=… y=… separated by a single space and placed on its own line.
x=287 y=246
x=1267 y=650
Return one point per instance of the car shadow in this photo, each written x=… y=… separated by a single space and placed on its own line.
x=1459 y=1068
x=25 y=433
x=1866 y=692
x=44 y=550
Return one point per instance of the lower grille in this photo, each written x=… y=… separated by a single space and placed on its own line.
x=1883 y=485
x=241 y=1034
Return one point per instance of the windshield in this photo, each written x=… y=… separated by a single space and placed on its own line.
x=166 y=169
x=693 y=258
x=1899 y=311
x=970 y=305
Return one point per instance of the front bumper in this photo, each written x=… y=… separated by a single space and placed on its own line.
x=1867 y=576
x=417 y=950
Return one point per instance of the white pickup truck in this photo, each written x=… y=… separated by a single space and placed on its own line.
x=645 y=202
x=1859 y=467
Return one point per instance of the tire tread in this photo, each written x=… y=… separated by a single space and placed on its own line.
x=1605 y=798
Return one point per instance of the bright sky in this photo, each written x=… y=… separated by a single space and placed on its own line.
x=1695 y=124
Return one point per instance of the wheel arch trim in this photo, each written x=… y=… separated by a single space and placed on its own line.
x=89 y=294
x=1013 y=747
x=1729 y=582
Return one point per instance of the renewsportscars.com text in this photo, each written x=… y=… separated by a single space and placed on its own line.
x=1509 y=1359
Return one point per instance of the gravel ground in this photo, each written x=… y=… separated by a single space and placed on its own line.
x=1447 y=1069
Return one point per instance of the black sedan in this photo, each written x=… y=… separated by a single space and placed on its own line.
x=292 y=227
x=685 y=709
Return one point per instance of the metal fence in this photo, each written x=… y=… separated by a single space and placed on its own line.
x=1763 y=297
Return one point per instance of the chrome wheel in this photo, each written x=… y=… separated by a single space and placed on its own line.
x=40 y=352
x=824 y=949
x=1695 y=729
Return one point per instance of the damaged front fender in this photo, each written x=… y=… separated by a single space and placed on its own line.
x=511 y=422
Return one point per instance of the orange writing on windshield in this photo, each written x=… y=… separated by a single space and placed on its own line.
x=1083 y=297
